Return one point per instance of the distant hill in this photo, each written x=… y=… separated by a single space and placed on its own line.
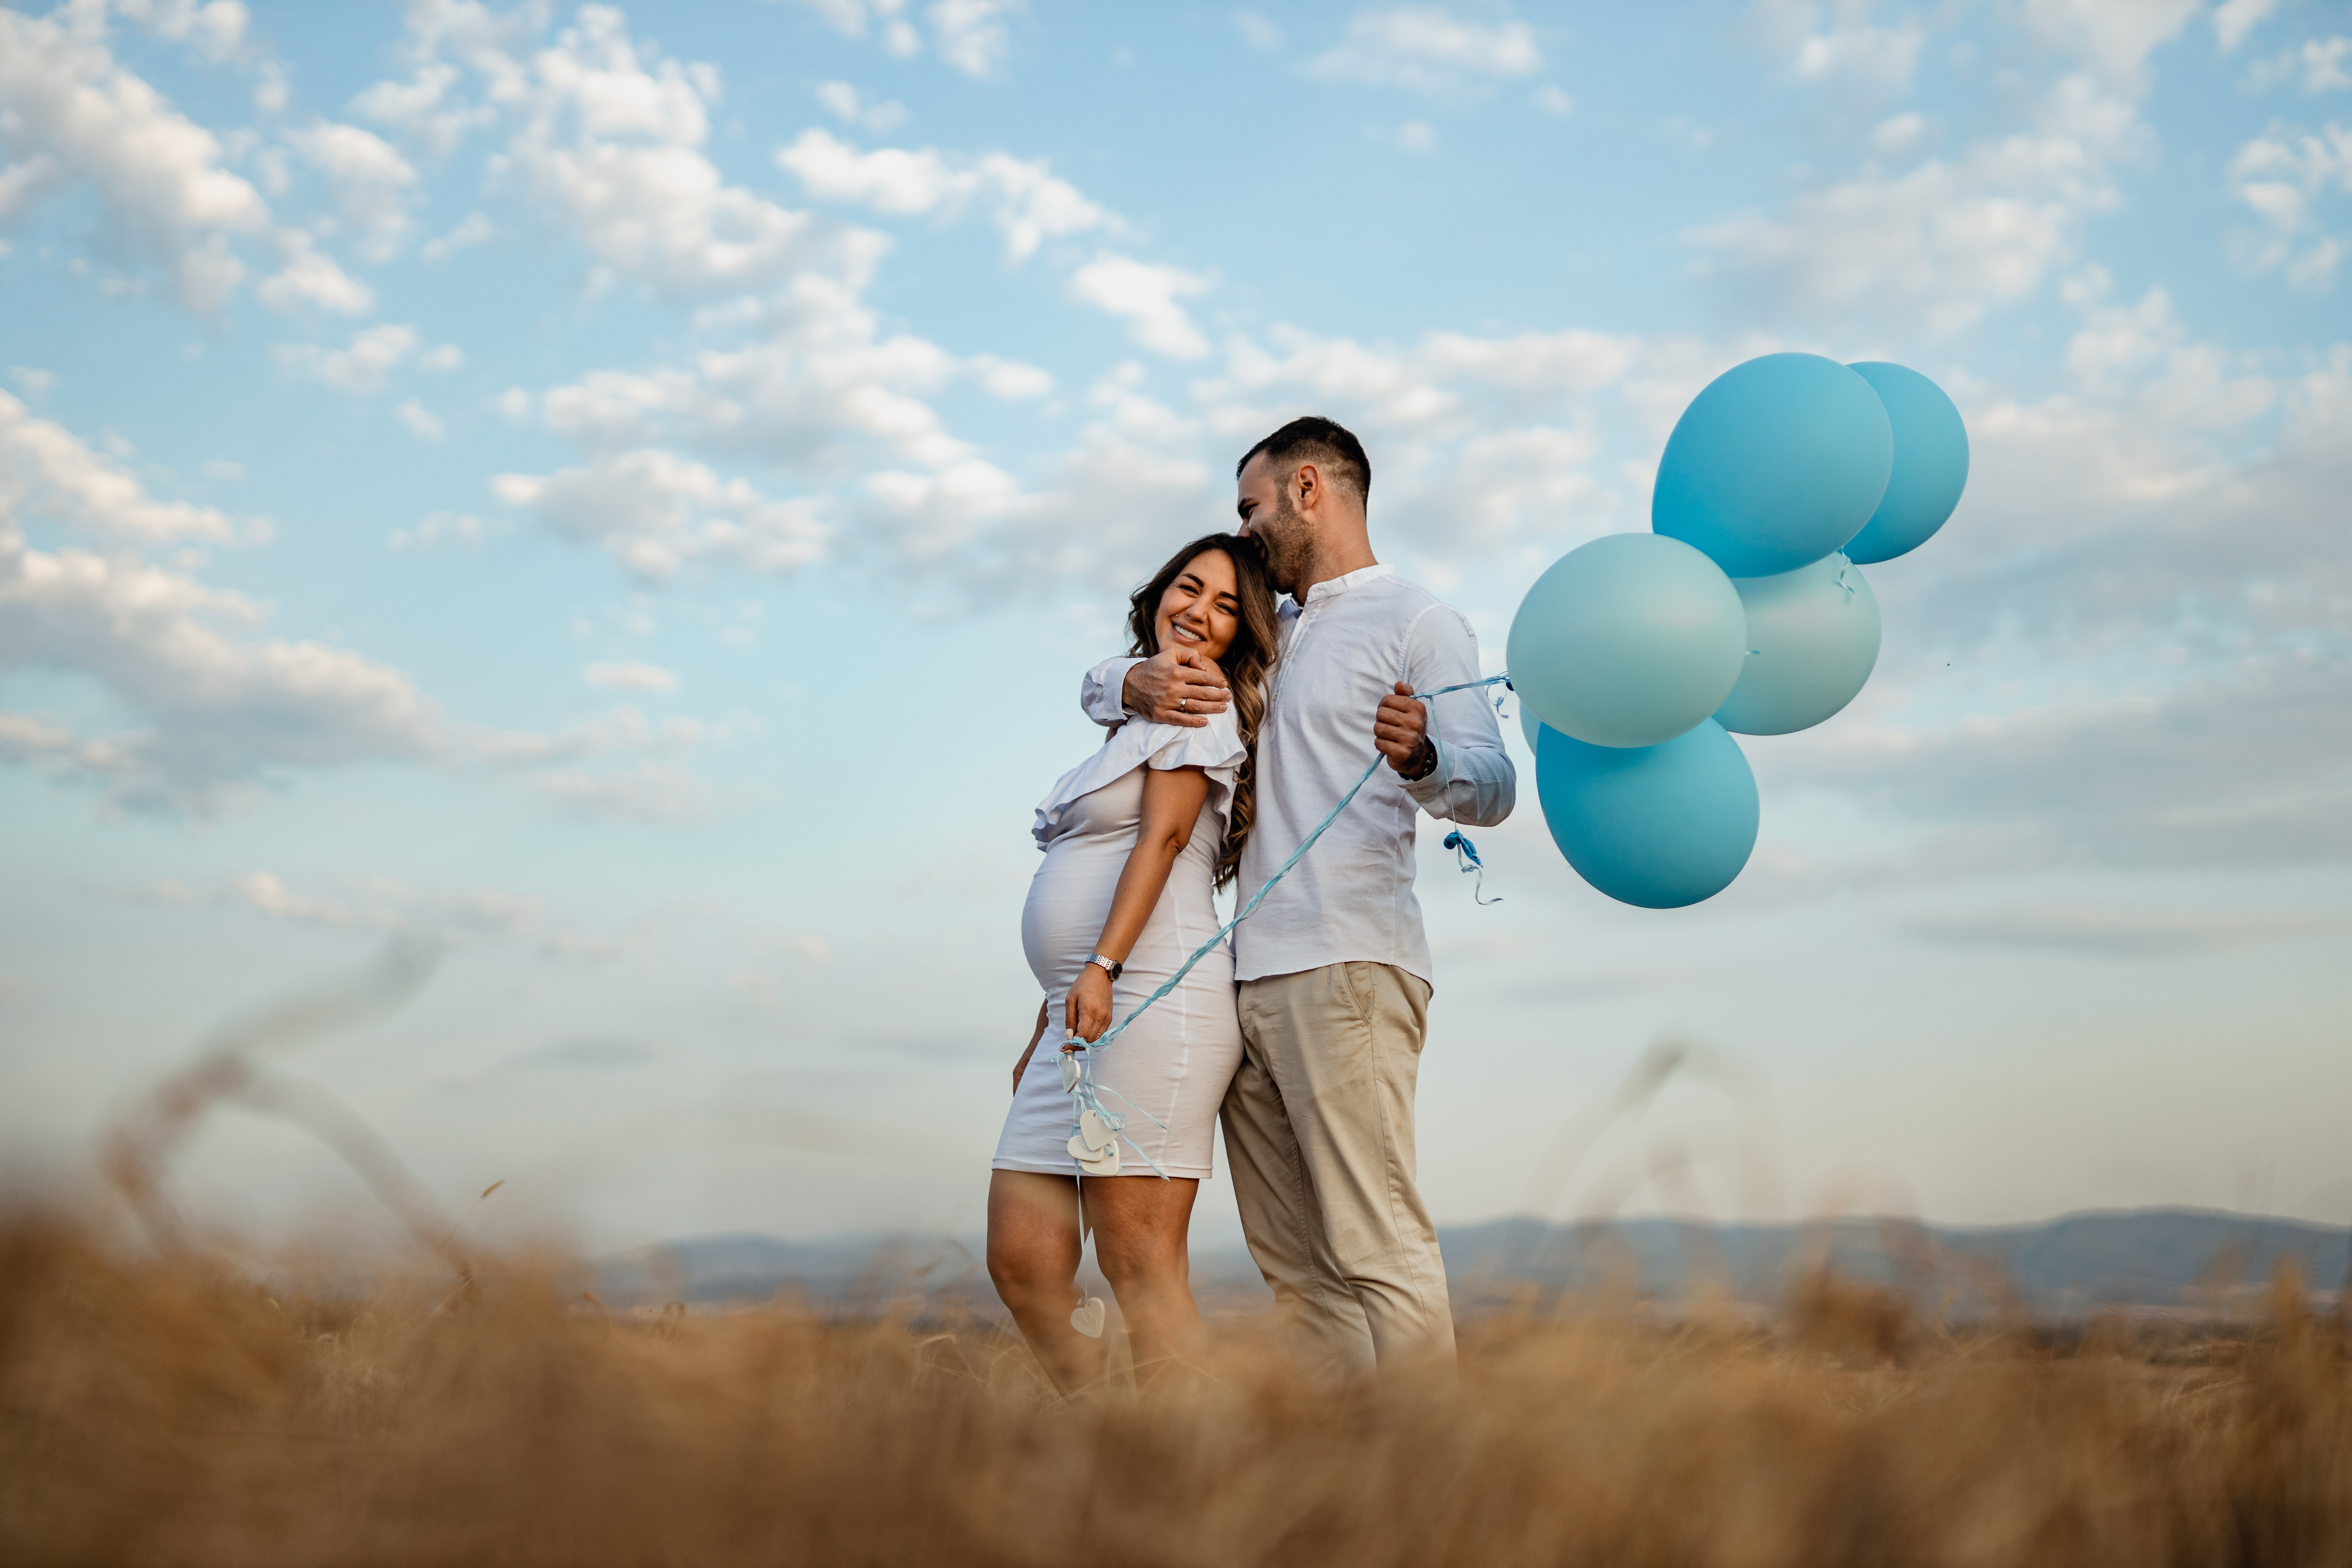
x=2078 y=1262
x=2142 y=1257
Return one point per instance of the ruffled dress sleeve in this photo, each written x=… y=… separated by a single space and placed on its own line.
x=1216 y=748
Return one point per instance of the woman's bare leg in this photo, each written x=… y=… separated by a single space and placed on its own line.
x=1034 y=1248
x=1140 y=1224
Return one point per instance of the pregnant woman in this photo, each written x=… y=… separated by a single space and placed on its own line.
x=1136 y=838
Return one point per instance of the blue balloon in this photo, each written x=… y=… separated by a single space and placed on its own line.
x=1775 y=463
x=1931 y=463
x=1657 y=826
x=1628 y=641
x=1813 y=638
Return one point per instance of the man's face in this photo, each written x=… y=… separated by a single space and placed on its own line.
x=1269 y=516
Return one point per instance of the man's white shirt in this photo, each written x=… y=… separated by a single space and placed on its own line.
x=1351 y=899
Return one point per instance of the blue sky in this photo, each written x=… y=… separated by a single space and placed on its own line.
x=629 y=492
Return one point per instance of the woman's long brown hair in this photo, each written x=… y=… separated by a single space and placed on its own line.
x=1246 y=663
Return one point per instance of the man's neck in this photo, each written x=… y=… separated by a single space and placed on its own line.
x=1353 y=555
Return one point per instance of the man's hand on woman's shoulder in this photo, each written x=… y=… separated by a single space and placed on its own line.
x=1176 y=686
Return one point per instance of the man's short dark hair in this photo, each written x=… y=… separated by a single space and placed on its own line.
x=1326 y=443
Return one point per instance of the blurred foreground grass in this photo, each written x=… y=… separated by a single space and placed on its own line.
x=179 y=1412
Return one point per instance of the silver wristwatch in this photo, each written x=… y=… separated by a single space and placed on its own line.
x=1110 y=966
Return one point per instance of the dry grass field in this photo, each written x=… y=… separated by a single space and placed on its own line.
x=181 y=1412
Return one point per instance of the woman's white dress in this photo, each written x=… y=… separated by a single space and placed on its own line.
x=1176 y=1060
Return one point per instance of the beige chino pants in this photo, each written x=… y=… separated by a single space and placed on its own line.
x=1318 y=1130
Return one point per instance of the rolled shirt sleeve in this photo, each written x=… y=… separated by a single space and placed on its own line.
x=1475 y=782
x=1101 y=693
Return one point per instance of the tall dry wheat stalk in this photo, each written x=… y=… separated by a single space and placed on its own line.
x=177 y=1412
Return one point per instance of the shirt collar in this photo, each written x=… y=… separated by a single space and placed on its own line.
x=1333 y=587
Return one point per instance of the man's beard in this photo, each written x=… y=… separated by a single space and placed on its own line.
x=1290 y=545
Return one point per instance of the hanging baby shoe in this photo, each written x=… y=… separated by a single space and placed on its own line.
x=1087 y=1317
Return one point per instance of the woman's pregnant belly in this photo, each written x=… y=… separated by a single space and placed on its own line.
x=1070 y=898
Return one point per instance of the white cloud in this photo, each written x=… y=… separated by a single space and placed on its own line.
x=811 y=386
x=1553 y=101
x=425 y=109
x=885 y=18
x=1028 y=203
x=652 y=792
x=971 y=34
x=75 y=117
x=45 y=471
x=1897 y=133
x=1145 y=295
x=847 y=104
x=1943 y=243
x=2326 y=64
x=1258 y=32
x=476 y=915
x=2319 y=65
x=36 y=383
x=2115 y=35
x=1412 y=136
x=1011 y=379
x=655 y=513
x=610 y=148
x=371 y=179
x=472 y=229
x=421 y=421
x=2233 y=19
x=2281 y=176
x=215 y=709
x=629 y=676
x=1842 y=49
x=214 y=29
x=310 y=277
x=271 y=91
x=458 y=528
x=623 y=732
x=1427 y=48
x=365 y=366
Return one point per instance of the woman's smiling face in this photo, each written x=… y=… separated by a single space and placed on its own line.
x=1202 y=609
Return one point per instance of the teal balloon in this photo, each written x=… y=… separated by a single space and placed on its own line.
x=1775 y=463
x=1931 y=463
x=1814 y=639
x=1628 y=641
x=1655 y=826
x=1529 y=725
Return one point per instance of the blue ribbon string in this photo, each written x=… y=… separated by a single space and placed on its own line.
x=1083 y=1096
x=1465 y=859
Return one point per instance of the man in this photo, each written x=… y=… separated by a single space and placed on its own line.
x=1334 y=966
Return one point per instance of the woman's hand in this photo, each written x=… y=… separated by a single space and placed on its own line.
x=1088 y=1010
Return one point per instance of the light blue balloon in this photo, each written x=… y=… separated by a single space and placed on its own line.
x=1628 y=641
x=1529 y=725
x=1931 y=463
x=1657 y=826
x=1813 y=635
x=1775 y=463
